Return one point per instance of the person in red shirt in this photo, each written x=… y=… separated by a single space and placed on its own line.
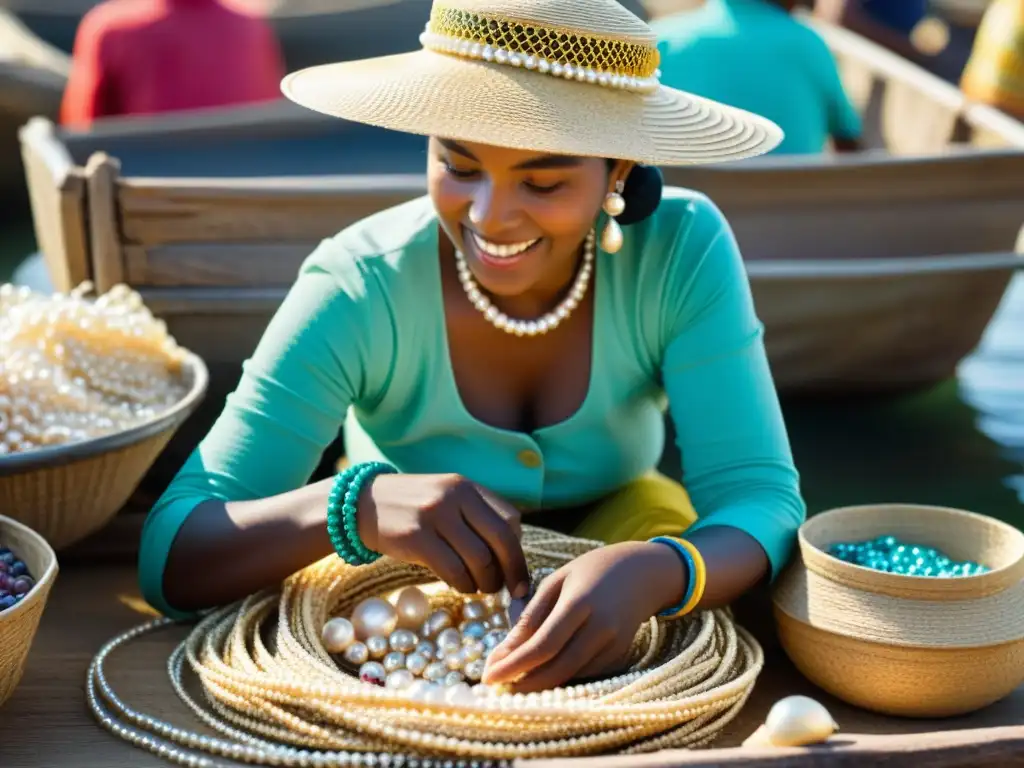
x=136 y=57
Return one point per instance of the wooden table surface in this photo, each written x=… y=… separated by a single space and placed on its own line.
x=46 y=723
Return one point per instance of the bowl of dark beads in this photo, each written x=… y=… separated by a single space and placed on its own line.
x=907 y=610
x=15 y=579
x=28 y=569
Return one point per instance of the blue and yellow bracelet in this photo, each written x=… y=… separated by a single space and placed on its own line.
x=696 y=576
x=342 y=504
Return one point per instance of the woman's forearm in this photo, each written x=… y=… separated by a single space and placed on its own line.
x=735 y=563
x=733 y=560
x=228 y=550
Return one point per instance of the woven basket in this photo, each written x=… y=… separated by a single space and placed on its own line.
x=68 y=492
x=18 y=624
x=911 y=646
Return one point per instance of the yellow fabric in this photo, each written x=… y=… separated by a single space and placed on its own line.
x=994 y=74
x=653 y=505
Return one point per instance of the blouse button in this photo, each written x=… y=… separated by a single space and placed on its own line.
x=530 y=459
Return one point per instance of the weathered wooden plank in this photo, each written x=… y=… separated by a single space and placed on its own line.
x=57 y=197
x=216 y=264
x=156 y=211
x=104 y=238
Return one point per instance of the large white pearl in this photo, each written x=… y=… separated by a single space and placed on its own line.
x=436 y=622
x=413 y=607
x=797 y=721
x=374 y=617
x=338 y=634
x=614 y=204
x=435 y=671
x=402 y=640
x=497 y=621
x=416 y=663
x=611 y=237
x=425 y=648
x=394 y=660
x=449 y=640
x=453 y=678
x=377 y=646
x=455 y=660
x=474 y=630
x=357 y=653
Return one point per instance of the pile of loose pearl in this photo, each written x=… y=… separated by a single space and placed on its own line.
x=406 y=646
x=275 y=694
x=74 y=368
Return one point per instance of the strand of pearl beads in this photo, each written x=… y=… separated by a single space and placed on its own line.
x=541 y=325
x=294 y=705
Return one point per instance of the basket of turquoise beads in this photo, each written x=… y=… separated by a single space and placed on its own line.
x=904 y=609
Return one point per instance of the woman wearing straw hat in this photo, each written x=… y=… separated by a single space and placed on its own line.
x=504 y=348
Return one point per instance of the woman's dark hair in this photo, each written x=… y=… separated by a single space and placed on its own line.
x=642 y=192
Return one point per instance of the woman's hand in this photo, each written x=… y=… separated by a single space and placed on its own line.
x=463 y=533
x=583 y=619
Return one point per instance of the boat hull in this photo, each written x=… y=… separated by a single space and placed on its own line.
x=877 y=332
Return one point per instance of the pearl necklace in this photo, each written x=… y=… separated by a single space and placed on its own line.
x=294 y=705
x=543 y=324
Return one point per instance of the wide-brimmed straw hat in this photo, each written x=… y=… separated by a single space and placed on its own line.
x=572 y=77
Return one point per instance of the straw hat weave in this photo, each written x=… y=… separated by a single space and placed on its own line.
x=573 y=77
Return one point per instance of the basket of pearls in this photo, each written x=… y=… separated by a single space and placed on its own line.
x=91 y=391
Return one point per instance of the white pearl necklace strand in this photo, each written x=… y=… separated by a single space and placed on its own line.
x=543 y=324
x=291 y=703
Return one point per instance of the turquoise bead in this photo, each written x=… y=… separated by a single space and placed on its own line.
x=890 y=555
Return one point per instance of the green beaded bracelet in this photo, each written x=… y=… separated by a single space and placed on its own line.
x=343 y=501
x=335 y=527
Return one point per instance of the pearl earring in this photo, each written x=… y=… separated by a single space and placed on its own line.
x=614 y=205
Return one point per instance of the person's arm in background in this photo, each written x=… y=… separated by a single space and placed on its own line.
x=851 y=15
x=845 y=127
x=90 y=92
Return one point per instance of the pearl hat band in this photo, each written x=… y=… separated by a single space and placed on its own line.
x=570 y=77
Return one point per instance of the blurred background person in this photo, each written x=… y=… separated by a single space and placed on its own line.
x=137 y=57
x=994 y=74
x=886 y=22
x=755 y=55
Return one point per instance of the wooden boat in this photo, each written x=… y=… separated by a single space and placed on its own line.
x=311 y=31
x=32 y=78
x=855 y=261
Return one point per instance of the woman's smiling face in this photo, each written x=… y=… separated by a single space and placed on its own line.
x=519 y=217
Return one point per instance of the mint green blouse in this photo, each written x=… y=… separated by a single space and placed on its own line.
x=360 y=341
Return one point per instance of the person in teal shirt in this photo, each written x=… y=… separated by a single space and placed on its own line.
x=502 y=351
x=753 y=54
